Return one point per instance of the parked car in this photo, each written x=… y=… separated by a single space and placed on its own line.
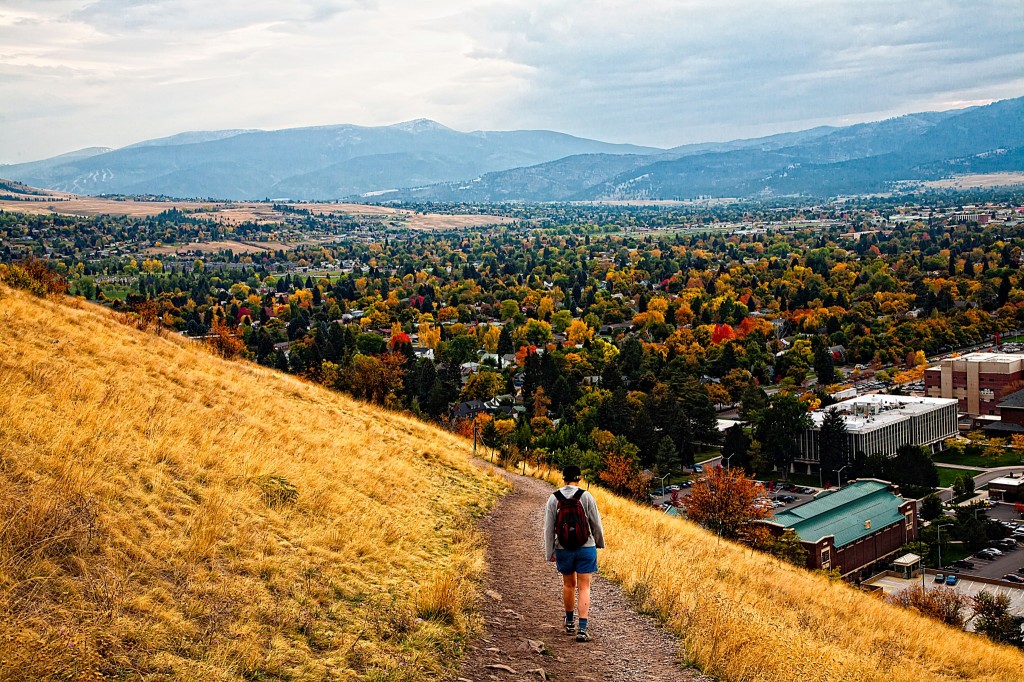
x=952 y=579
x=939 y=578
x=963 y=563
x=698 y=469
x=673 y=487
x=806 y=491
x=1014 y=578
x=993 y=550
x=986 y=554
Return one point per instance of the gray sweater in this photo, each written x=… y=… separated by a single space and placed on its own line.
x=593 y=517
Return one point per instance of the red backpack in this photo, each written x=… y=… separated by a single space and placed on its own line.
x=571 y=526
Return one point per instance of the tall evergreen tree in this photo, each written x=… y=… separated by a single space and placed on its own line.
x=833 y=446
x=824 y=365
x=735 y=448
x=778 y=426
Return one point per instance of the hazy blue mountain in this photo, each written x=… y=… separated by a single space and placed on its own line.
x=191 y=137
x=553 y=181
x=820 y=162
x=304 y=163
x=44 y=170
x=425 y=160
x=867 y=157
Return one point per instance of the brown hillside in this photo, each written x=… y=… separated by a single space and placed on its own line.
x=167 y=514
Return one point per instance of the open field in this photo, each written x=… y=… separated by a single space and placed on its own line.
x=407 y=218
x=213 y=247
x=1009 y=457
x=238 y=212
x=947 y=475
x=170 y=515
x=979 y=180
x=744 y=616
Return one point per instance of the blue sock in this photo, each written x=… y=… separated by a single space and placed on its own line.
x=569 y=616
x=583 y=623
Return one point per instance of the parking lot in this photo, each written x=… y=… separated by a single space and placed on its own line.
x=779 y=498
x=1011 y=560
x=891 y=585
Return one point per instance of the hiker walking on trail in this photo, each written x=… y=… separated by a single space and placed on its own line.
x=572 y=534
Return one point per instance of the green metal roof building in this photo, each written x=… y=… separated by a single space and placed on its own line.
x=852 y=529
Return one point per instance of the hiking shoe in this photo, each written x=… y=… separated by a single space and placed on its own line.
x=570 y=627
x=582 y=636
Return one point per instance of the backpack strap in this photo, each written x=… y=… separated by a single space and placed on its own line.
x=578 y=494
x=560 y=496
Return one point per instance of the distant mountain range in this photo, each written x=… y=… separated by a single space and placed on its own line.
x=424 y=160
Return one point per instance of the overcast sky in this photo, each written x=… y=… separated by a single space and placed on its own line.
x=75 y=74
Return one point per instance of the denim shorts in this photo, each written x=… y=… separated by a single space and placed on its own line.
x=582 y=560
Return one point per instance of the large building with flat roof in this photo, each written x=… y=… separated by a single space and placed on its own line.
x=977 y=380
x=881 y=424
x=854 y=530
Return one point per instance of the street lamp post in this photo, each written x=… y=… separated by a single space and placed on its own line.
x=727 y=459
x=938 y=542
x=663 y=482
x=839 y=474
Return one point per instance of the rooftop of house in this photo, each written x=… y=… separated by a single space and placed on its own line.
x=848 y=514
x=1015 y=399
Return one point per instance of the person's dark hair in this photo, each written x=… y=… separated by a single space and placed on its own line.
x=571 y=473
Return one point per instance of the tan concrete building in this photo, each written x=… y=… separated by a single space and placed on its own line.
x=878 y=424
x=977 y=380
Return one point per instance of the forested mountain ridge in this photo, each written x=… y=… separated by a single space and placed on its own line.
x=324 y=162
x=424 y=160
x=863 y=158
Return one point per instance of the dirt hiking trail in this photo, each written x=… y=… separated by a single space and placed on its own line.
x=523 y=637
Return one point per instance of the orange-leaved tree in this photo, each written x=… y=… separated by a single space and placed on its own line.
x=620 y=469
x=727 y=502
x=225 y=341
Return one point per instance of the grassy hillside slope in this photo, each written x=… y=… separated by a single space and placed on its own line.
x=150 y=526
x=745 y=616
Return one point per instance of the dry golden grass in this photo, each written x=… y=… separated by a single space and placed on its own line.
x=169 y=515
x=238 y=212
x=215 y=246
x=744 y=616
x=978 y=180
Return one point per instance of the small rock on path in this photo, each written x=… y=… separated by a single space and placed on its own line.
x=522 y=636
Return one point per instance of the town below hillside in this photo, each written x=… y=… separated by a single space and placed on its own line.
x=853 y=367
x=788 y=341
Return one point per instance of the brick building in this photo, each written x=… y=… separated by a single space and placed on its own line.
x=855 y=530
x=978 y=380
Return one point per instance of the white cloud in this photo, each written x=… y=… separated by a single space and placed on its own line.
x=112 y=72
